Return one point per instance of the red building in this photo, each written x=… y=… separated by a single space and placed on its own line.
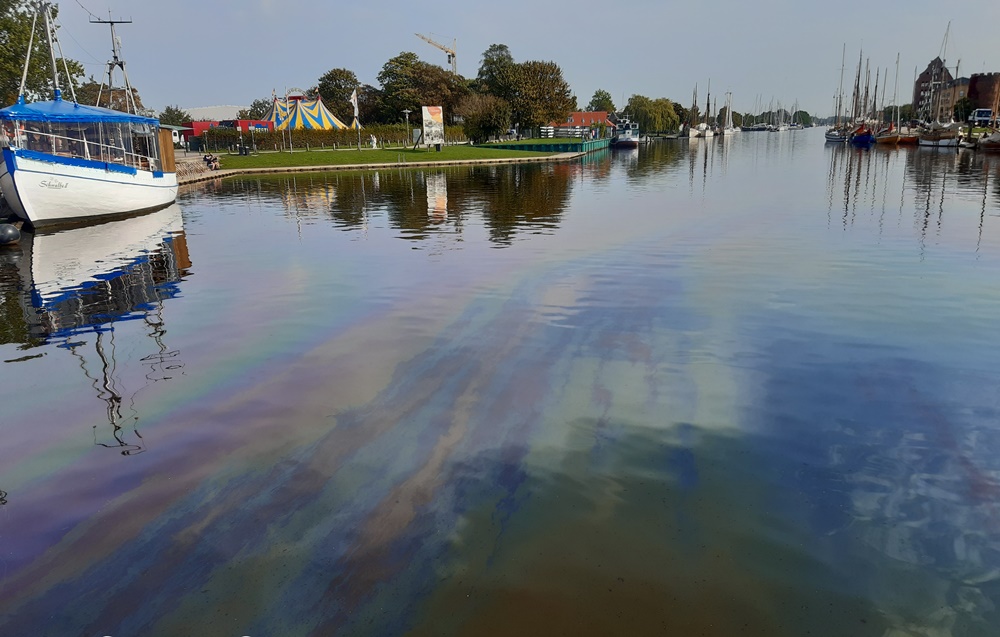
x=586 y=118
x=198 y=128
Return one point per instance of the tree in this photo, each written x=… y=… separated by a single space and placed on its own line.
x=371 y=106
x=681 y=111
x=93 y=93
x=15 y=31
x=906 y=113
x=601 y=101
x=539 y=93
x=962 y=109
x=496 y=59
x=335 y=87
x=484 y=116
x=175 y=116
x=652 y=115
x=409 y=83
x=802 y=117
x=258 y=109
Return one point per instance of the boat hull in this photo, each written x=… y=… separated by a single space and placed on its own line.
x=46 y=190
x=625 y=141
x=951 y=142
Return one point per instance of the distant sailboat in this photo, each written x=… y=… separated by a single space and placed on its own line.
x=837 y=132
x=728 y=128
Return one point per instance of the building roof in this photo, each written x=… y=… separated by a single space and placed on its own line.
x=227 y=111
x=585 y=118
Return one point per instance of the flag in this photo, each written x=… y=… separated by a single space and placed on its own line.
x=354 y=101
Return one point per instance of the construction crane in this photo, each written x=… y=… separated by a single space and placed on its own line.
x=452 y=56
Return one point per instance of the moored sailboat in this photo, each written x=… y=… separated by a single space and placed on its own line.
x=838 y=133
x=63 y=162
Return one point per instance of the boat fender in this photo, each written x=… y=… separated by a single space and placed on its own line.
x=9 y=234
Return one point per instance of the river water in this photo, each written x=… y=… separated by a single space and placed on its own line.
x=747 y=386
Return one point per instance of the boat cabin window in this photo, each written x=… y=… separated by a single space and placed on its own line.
x=9 y=137
x=128 y=144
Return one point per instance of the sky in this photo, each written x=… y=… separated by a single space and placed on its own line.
x=213 y=52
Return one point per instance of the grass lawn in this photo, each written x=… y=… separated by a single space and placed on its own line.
x=367 y=156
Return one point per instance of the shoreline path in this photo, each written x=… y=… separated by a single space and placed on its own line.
x=191 y=168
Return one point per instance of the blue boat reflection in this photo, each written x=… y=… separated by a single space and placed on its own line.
x=70 y=288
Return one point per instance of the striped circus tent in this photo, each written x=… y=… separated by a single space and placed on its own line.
x=356 y=125
x=278 y=112
x=299 y=114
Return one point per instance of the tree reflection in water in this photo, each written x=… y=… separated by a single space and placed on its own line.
x=505 y=199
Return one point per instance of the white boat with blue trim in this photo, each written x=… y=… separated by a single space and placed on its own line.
x=626 y=134
x=65 y=162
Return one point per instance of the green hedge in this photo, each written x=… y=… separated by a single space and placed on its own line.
x=387 y=134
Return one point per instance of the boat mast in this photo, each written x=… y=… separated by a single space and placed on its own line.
x=694 y=107
x=708 y=100
x=895 y=93
x=52 y=53
x=875 y=94
x=27 y=59
x=113 y=63
x=840 y=89
x=856 y=99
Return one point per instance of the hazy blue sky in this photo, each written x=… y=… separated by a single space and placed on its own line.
x=231 y=52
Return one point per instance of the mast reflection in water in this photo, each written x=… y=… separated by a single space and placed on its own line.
x=74 y=287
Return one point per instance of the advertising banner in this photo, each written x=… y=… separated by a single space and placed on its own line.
x=433 y=125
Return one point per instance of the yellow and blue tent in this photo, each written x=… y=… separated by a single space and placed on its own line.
x=356 y=125
x=278 y=112
x=299 y=114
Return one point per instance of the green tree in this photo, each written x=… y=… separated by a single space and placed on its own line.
x=93 y=93
x=680 y=110
x=409 y=83
x=371 y=107
x=496 y=60
x=15 y=31
x=335 y=87
x=258 y=109
x=906 y=113
x=652 y=115
x=962 y=109
x=802 y=117
x=539 y=94
x=601 y=101
x=484 y=116
x=174 y=115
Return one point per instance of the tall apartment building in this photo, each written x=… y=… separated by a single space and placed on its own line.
x=933 y=80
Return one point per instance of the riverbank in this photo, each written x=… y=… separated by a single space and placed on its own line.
x=191 y=169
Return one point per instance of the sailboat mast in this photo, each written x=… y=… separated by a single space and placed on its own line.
x=708 y=100
x=868 y=81
x=27 y=59
x=875 y=95
x=840 y=89
x=856 y=99
x=895 y=92
x=52 y=52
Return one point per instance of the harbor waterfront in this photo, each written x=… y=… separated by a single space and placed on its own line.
x=744 y=385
